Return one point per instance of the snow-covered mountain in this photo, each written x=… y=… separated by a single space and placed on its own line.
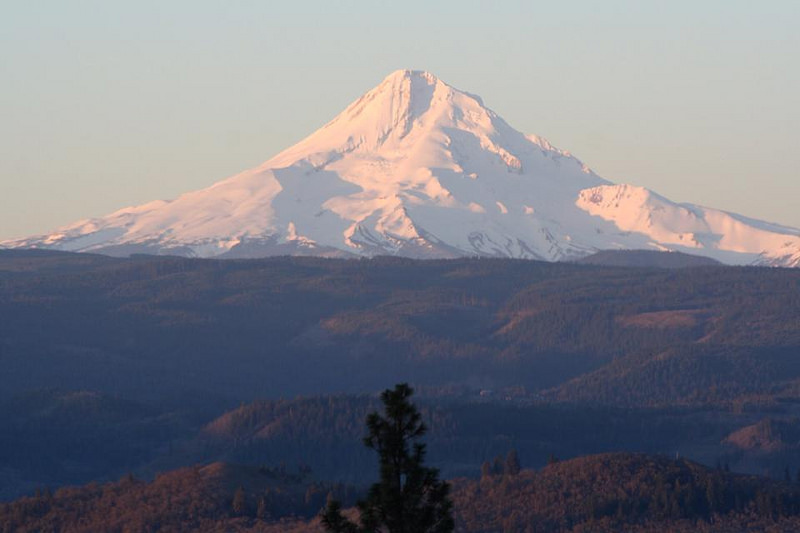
x=418 y=168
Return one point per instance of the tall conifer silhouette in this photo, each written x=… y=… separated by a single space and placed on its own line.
x=409 y=498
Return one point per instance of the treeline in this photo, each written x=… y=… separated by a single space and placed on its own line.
x=216 y=497
x=610 y=492
x=624 y=492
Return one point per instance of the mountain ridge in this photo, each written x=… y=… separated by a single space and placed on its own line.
x=418 y=168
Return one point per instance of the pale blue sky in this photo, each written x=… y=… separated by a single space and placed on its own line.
x=105 y=104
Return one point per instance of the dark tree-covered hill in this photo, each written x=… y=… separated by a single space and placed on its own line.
x=214 y=497
x=626 y=492
x=150 y=327
x=647 y=258
x=610 y=492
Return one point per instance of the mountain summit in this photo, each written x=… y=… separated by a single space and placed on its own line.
x=418 y=168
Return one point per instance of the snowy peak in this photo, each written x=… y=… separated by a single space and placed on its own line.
x=407 y=107
x=418 y=168
x=402 y=97
x=409 y=113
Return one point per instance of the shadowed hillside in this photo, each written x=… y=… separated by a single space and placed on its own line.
x=326 y=433
x=616 y=492
x=647 y=259
x=148 y=327
x=135 y=359
x=215 y=497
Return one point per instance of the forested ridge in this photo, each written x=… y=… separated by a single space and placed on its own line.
x=149 y=327
x=154 y=365
x=609 y=492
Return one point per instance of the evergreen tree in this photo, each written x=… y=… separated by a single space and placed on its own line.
x=713 y=495
x=262 y=512
x=409 y=498
x=497 y=466
x=239 y=503
x=512 y=467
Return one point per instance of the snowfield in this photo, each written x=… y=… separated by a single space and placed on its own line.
x=418 y=168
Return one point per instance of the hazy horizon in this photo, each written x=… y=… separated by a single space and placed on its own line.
x=107 y=106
